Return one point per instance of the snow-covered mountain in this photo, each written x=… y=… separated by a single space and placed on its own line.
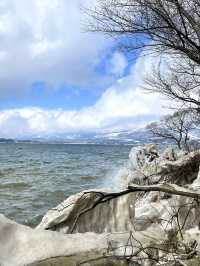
x=126 y=137
x=133 y=137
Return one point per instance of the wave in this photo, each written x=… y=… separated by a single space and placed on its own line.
x=15 y=186
x=87 y=177
x=6 y=171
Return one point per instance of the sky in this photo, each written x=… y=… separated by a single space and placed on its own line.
x=56 y=78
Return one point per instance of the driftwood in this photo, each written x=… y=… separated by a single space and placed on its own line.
x=167 y=188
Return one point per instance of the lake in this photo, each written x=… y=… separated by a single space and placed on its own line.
x=37 y=177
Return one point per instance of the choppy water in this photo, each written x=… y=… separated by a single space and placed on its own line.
x=36 y=177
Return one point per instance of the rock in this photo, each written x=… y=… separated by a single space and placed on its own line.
x=193 y=262
x=162 y=204
x=181 y=153
x=182 y=171
x=161 y=212
x=196 y=183
x=151 y=149
x=147 y=215
x=114 y=215
x=21 y=245
x=136 y=158
x=169 y=154
x=140 y=155
x=192 y=234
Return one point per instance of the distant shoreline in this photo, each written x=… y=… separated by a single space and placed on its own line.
x=66 y=143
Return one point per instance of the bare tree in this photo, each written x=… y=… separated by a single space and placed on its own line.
x=174 y=249
x=163 y=25
x=179 y=80
x=175 y=127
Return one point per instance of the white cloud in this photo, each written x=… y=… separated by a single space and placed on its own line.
x=118 y=64
x=122 y=106
x=44 y=41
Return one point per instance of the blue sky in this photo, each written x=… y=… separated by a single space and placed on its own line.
x=71 y=95
x=56 y=79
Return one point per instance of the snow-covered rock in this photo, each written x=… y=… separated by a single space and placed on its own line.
x=160 y=219
x=24 y=246
x=145 y=168
x=83 y=212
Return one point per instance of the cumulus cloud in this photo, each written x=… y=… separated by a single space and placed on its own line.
x=43 y=40
x=118 y=64
x=122 y=106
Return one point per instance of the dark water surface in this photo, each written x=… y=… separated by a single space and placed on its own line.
x=36 y=177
